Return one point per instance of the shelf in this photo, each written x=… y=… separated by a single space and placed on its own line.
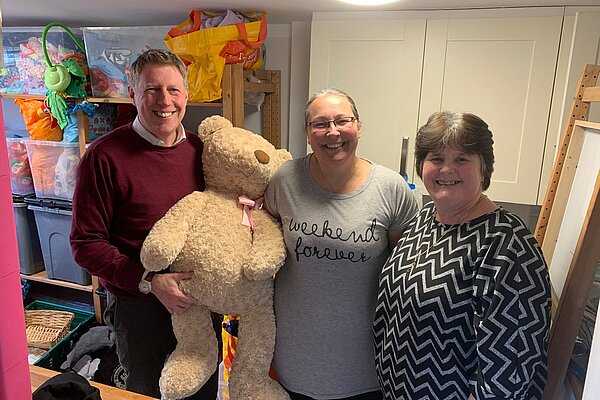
x=23 y=96
x=111 y=100
x=43 y=277
x=253 y=87
x=127 y=100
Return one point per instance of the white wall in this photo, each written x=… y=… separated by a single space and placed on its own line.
x=13 y=120
x=299 y=69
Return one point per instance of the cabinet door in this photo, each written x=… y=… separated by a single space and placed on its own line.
x=501 y=69
x=579 y=46
x=379 y=64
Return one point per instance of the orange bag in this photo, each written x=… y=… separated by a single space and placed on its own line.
x=206 y=51
x=39 y=124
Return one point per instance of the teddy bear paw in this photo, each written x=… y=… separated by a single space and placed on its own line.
x=258 y=389
x=183 y=375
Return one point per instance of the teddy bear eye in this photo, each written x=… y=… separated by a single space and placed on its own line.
x=262 y=157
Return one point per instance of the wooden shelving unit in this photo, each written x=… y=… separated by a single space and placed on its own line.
x=234 y=86
x=43 y=277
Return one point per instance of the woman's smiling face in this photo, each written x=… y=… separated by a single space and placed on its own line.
x=452 y=177
x=337 y=143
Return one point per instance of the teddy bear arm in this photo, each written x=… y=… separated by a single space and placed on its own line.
x=268 y=250
x=168 y=235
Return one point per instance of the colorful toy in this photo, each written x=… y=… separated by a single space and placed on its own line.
x=62 y=80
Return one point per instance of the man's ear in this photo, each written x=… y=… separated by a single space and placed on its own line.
x=131 y=94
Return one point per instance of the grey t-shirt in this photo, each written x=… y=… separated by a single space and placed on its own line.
x=325 y=294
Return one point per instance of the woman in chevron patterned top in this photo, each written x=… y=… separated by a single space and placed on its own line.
x=463 y=310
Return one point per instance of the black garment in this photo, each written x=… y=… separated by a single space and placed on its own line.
x=66 y=386
x=145 y=338
x=364 y=396
x=97 y=341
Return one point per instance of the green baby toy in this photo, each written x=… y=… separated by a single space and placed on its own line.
x=62 y=80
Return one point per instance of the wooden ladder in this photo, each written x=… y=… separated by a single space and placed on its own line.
x=567 y=312
x=586 y=92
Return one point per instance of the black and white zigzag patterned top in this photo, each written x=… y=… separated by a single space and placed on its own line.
x=463 y=309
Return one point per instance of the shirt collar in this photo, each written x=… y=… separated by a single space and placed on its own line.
x=145 y=133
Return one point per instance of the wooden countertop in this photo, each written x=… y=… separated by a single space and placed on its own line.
x=40 y=375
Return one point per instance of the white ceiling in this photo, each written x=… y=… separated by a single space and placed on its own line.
x=77 y=13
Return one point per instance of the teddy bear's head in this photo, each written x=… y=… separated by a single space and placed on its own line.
x=237 y=161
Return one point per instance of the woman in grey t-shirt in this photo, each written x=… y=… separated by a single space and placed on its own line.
x=341 y=214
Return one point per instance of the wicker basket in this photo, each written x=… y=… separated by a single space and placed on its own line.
x=45 y=328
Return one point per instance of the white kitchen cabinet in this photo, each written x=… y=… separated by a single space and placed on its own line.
x=579 y=46
x=400 y=71
x=379 y=63
x=501 y=69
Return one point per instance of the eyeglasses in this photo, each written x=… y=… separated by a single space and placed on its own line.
x=323 y=125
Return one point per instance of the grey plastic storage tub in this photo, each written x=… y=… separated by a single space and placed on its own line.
x=53 y=220
x=30 y=253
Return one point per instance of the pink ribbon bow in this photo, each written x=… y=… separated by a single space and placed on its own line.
x=249 y=205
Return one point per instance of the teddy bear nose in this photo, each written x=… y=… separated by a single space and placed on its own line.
x=262 y=157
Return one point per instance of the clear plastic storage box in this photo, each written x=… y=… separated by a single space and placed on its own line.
x=53 y=168
x=110 y=52
x=24 y=62
x=21 y=181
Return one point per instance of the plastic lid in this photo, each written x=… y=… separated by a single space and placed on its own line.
x=49 y=203
x=50 y=143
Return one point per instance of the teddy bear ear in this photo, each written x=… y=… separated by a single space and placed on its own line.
x=212 y=124
x=284 y=155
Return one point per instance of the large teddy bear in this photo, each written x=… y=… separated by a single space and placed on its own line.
x=234 y=249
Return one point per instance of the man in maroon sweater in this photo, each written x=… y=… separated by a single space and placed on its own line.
x=126 y=181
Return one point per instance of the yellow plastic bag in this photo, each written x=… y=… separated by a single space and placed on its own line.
x=205 y=52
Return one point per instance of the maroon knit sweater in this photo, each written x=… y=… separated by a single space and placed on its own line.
x=124 y=185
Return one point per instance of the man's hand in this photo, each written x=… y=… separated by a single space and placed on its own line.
x=166 y=289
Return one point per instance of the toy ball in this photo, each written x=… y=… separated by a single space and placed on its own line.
x=57 y=78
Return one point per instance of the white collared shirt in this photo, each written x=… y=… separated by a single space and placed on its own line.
x=145 y=133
